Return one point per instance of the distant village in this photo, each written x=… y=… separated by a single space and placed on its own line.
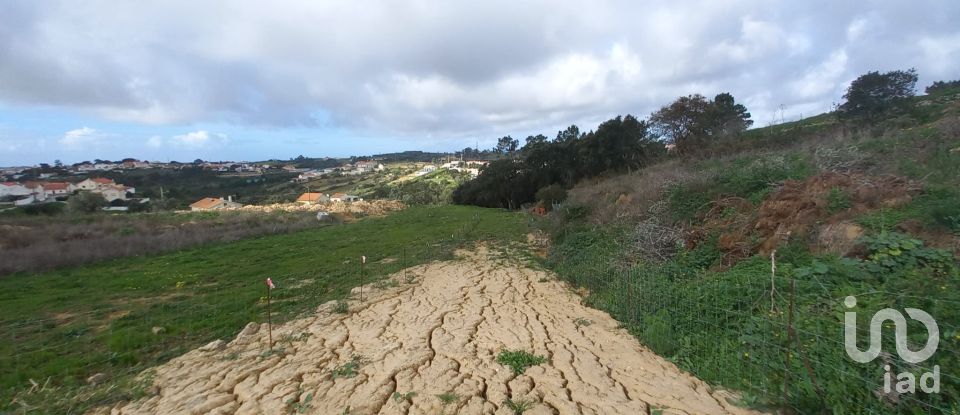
x=22 y=189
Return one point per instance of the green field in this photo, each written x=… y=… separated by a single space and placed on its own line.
x=70 y=324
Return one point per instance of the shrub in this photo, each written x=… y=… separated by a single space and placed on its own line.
x=86 y=202
x=551 y=194
x=838 y=200
x=519 y=360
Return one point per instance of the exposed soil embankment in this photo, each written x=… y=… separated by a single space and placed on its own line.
x=437 y=333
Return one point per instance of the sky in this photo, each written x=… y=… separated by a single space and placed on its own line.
x=254 y=80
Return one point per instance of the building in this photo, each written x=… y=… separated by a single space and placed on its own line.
x=343 y=197
x=313 y=198
x=94 y=183
x=112 y=192
x=368 y=166
x=58 y=189
x=13 y=189
x=210 y=203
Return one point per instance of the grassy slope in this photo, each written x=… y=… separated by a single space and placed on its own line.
x=715 y=319
x=69 y=324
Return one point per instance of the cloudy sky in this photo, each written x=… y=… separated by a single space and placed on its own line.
x=250 y=80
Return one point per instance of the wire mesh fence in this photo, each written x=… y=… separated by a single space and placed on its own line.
x=68 y=362
x=778 y=340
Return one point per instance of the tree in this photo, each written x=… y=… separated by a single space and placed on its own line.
x=691 y=121
x=506 y=145
x=86 y=202
x=726 y=116
x=938 y=86
x=873 y=94
x=681 y=122
x=572 y=133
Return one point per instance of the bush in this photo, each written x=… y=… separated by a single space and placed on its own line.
x=86 y=202
x=550 y=195
x=44 y=209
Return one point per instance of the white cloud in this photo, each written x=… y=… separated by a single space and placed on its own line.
x=823 y=78
x=81 y=137
x=198 y=139
x=445 y=69
x=155 y=141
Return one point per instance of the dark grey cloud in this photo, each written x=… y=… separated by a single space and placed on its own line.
x=454 y=69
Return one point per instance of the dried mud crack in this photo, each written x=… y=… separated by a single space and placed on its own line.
x=438 y=336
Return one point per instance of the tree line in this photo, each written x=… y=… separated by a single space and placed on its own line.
x=623 y=143
x=687 y=125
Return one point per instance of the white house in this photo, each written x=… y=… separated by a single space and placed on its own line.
x=13 y=189
x=426 y=170
x=112 y=192
x=94 y=183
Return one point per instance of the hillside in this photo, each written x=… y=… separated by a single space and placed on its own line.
x=735 y=261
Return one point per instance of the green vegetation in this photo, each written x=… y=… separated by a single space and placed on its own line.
x=69 y=324
x=448 y=398
x=519 y=406
x=434 y=188
x=863 y=204
x=519 y=360
x=347 y=370
x=187 y=185
x=404 y=397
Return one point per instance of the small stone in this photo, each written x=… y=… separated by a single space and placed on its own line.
x=97 y=378
x=158 y=330
x=213 y=346
x=250 y=329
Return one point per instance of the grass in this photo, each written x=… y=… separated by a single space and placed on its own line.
x=722 y=326
x=68 y=324
x=519 y=360
x=404 y=397
x=519 y=406
x=349 y=369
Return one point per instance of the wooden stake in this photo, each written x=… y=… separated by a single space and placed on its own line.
x=269 y=322
x=362 y=261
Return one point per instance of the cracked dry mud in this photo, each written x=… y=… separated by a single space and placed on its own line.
x=439 y=335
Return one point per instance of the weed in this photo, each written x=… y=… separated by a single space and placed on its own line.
x=519 y=406
x=298 y=407
x=341 y=307
x=838 y=200
x=386 y=283
x=290 y=338
x=349 y=369
x=231 y=356
x=519 y=360
x=448 y=398
x=581 y=322
x=275 y=351
x=403 y=397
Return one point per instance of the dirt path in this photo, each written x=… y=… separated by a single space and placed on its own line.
x=438 y=335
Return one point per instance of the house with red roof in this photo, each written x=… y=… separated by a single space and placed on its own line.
x=211 y=203
x=313 y=198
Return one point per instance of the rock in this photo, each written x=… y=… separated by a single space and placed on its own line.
x=97 y=378
x=213 y=346
x=250 y=329
x=158 y=330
